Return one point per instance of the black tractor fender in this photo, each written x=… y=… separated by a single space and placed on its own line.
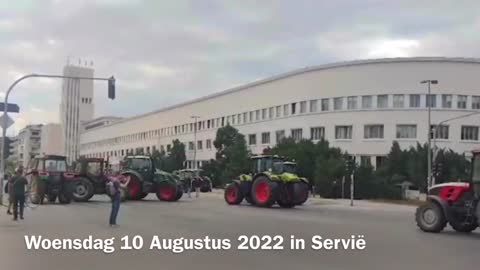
x=134 y=173
x=442 y=203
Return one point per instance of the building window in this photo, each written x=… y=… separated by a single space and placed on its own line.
x=266 y=138
x=245 y=117
x=280 y=135
x=264 y=114
x=257 y=115
x=469 y=133
x=313 y=105
x=278 y=111
x=352 y=103
x=199 y=145
x=447 y=101
x=252 y=139
x=294 y=106
x=252 y=116
x=343 y=132
x=324 y=104
x=338 y=103
x=382 y=101
x=209 y=144
x=234 y=119
x=190 y=146
x=406 y=131
x=365 y=161
x=366 y=102
x=431 y=101
x=398 y=101
x=414 y=101
x=476 y=102
x=303 y=107
x=441 y=132
x=373 y=132
x=285 y=110
x=297 y=134
x=462 y=102
x=270 y=113
x=317 y=133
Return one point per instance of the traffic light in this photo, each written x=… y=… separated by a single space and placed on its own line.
x=111 y=88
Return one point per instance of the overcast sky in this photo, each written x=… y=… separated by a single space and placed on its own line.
x=165 y=52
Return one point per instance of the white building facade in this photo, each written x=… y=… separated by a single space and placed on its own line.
x=52 y=142
x=359 y=106
x=26 y=145
x=76 y=106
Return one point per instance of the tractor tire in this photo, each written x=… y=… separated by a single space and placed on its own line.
x=430 y=217
x=233 y=195
x=264 y=191
x=463 y=227
x=179 y=193
x=82 y=190
x=166 y=191
x=51 y=198
x=284 y=204
x=300 y=193
x=134 y=189
x=64 y=198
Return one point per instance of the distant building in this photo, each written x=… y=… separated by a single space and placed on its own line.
x=76 y=107
x=52 y=142
x=99 y=122
x=26 y=144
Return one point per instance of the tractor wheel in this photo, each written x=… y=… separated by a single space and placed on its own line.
x=233 y=195
x=82 y=190
x=64 y=198
x=457 y=222
x=300 y=193
x=134 y=188
x=166 y=191
x=264 y=192
x=179 y=193
x=430 y=217
x=52 y=198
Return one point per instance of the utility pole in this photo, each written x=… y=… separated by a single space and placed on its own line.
x=429 y=110
x=111 y=94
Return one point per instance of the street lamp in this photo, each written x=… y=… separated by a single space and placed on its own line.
x=429 y=155
x=111 y=95
x=195 y=141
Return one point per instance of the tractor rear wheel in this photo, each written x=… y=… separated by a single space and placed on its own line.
x=233 y=195
x=166 y=191
x=300 y=193
x=82 y=189
x=458 y=221
x=430 y=217
x=179 y=193
x=134 y=188
x=264 y=191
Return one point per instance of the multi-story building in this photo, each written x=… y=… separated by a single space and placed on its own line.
x=99 y=122
x=26 y=144
x=359 y=106
x=52 y=142
x=76 y=106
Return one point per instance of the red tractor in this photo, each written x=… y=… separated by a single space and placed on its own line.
x=454 y=203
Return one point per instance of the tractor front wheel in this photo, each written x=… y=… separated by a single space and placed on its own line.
x=233 y=195
x=134 y=188
x=430 y=217
x=264 y=191
x=82 y=190
x=166 y=191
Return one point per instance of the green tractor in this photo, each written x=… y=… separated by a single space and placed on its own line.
x=192 y=177
x=145 y=179
x=272 y=180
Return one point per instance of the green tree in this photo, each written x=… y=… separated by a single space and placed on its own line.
x=176 y=157
x=232 y=154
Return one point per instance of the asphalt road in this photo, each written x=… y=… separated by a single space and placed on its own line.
x=392 y=239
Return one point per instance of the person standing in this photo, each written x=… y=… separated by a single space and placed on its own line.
x=9 y=190
x=19 y=185
x=115 y=193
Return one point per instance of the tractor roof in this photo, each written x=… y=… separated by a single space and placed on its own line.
x=54 y=157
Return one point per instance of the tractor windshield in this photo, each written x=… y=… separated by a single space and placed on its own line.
x=55 y=165
x=138 y=163
x=290 y=167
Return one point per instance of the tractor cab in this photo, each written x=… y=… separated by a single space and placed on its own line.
x=141 y=164
x=476 y=173
x=265 y=163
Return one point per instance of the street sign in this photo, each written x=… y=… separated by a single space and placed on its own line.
x=9 y=121
x=13 y=108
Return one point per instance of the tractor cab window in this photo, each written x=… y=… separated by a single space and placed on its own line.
x=55 y=165
x=278 y=168
x=94 y=168
x=290 y=167
x=140 y=163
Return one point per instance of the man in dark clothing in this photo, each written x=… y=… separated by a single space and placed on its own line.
x=19 y=184
x=116 y=197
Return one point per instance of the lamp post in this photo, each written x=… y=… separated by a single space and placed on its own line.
x=429 y=154
x=111 y=94
x=195 y=141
